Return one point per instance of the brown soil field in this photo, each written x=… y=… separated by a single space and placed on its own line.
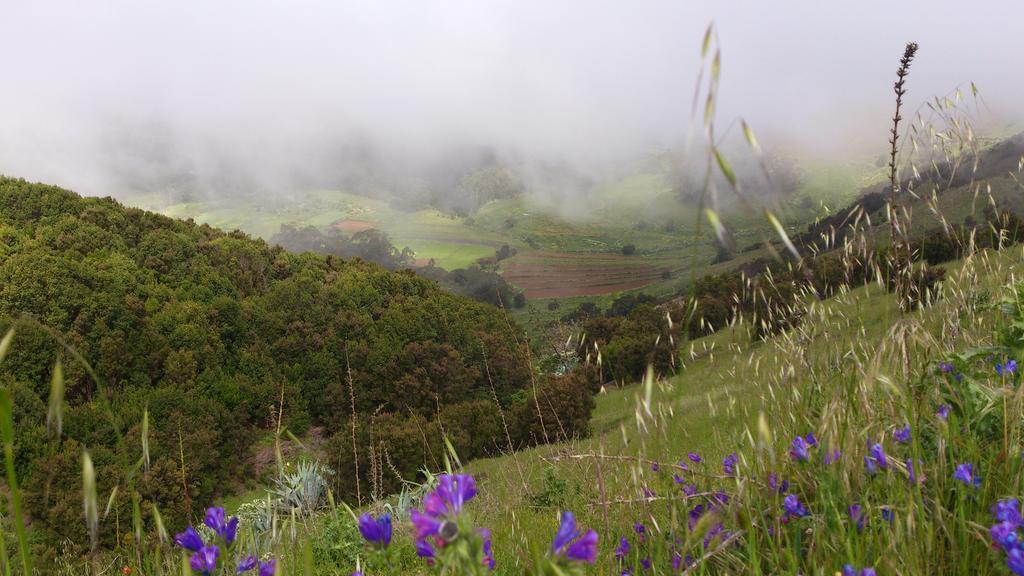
x=353 y=226
x=560 y=274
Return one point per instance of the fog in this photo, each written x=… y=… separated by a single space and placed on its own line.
x=276 y=97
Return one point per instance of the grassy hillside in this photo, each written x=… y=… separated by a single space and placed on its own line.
x=852 y=374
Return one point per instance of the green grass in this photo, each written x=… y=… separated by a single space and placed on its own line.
x=709 y=407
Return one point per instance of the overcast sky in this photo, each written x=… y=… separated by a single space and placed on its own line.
x=96 y=95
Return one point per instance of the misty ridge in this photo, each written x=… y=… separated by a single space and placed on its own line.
x=447 y=106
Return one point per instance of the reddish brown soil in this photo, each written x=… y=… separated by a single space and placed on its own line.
x=560 y=275
x=353 y=226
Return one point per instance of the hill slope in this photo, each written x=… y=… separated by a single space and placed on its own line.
x=223 y=340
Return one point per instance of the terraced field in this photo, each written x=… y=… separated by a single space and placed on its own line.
x=564 y=274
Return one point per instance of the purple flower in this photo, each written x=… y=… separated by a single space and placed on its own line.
x=1015 y=560
x=877 y=453
x=1004 y=535
x=376 y=531
x=729 y=464
x=690 y=489
x=856 y=512
x=645 y=563
x=798 y=450
x=849 y=570
x=887 y=514
x=639 y=528
x=1008 y=511
x=189 y=539
x=248 y=563
x=695 y=515
x=794 y=509
x=425 y=525
x=694 y=457
x=811 y=440
x=943 y=411
x=204 y=561
x=832 y=457
x=623 y=549
x=677 y=562
x=226 y=529
x=569 y=544
x=452 y=492
x=911 y=474
x=1006 y=369
x=946 y=367
x=774 y=484
x=488 y=553
x=424 y=549
x=584 y=549
x=655 y=467
x=902 y=435
x=965 y=473
x=870 y=466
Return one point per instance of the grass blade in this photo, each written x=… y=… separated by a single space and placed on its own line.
x=7 y=432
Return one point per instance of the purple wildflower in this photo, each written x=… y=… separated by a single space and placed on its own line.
x=694 y=457
x=655 y=467
x=856 y=512
x=488 y=552
x=1004 y=535
x=695 y=515
x=1008 y=511
x=205 y=560
x=887 y=514
x=798 y=450
x=832 y=456
x=453 y=490
x=1015 y=560
x=902 y=435
x=623 y=549
x=570 y=544
x=425 y=525
x=189 y=540
x=268 y=568
x=424 y=549
x=677 y=562
x=376 y=531
x=1006 y=369
x=226 y=529
x=645 y=563
x=946 y=367
x=849 y=570
x=877 y=453
x=870 y=466
x=793 y=508
x=911 y=475
x=811 y=440
x=965 y=473
x=729 y=464
x=943 y=411
x=248 y=563
x=774 y=484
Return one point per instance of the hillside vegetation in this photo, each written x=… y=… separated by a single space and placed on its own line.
x=204 y=346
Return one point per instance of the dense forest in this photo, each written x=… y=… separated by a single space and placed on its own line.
x=224 y=339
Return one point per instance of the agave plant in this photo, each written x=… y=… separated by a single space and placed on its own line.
x=303 y=491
